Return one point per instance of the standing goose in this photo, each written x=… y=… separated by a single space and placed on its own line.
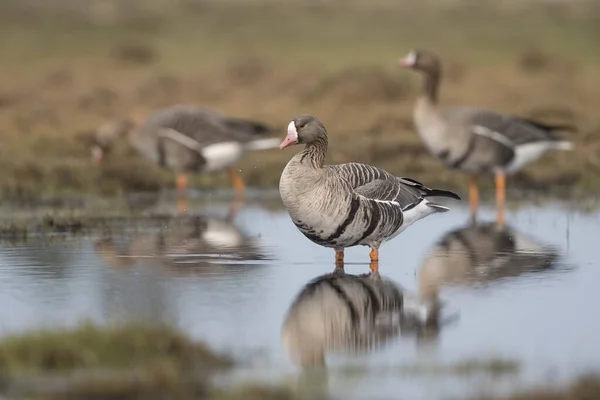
x=189 y=139
x=476 y=140
x=351 y=204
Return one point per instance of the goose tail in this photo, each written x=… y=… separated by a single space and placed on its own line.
x=563 y=145
x=437 y=207
x=551 y=127
x=428 y=192
x=263 y=144
x=442 y=193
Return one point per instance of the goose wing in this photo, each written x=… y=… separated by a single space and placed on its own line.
x=200 y=125
x=507 y=130
x=377 y=184
x=173 y=145
x=204 y=126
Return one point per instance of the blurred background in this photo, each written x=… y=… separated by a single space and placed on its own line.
x=68 y=66
x=523 y=292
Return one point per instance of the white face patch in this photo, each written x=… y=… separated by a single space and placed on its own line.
x=292 y=132
x=411 y=58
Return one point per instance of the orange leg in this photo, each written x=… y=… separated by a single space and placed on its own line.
x=339 y=260
x=182 y=182
x=500 y=196
x=374 y=254
x=473 y=196
x=374 y=265
x=238 y=183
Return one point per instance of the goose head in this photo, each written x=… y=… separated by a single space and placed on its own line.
x=421 y=60
x=303 y=129
x=109 y=132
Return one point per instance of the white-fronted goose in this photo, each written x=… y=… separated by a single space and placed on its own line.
x=351 y=314
x=351 y=204
x=189 y=139
x=477 y=140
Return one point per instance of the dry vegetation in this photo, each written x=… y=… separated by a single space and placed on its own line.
x=69 y=66
x=125 y=362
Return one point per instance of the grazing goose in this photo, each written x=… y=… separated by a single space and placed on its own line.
x=349 y=313
x=351 y=204
x=476 y=140
x=189 y=139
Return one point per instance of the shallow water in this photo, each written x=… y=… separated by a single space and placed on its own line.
x=527 y=294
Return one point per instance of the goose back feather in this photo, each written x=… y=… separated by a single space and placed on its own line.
x=187 y=138
x=518 y=131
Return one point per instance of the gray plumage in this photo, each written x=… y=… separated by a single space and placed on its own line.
x=346 y=313
x=472 y=139
x=185 y=138
x=345 y=205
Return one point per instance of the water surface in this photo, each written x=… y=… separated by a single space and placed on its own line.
x=527 y=293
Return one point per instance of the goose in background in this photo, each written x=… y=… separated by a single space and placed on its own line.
x=188 y=139
x=479 y=254
x=476 y=140
x=353 y=314
x=344 y=205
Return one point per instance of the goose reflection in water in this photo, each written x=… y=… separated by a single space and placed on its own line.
x=217 y=245
x=352 y=314
x=480 y=254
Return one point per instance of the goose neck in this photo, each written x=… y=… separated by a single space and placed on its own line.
x=314 y=153
x=431 y=84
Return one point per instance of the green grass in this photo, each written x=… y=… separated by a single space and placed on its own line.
x=124 y=362
x=140 y=361
x=114 y=348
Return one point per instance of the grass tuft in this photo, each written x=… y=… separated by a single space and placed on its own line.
x=93 y=347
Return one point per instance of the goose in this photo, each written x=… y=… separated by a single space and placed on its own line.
x=345 y=205
x=353 y=314
x=188 y=139
x=477 y=140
